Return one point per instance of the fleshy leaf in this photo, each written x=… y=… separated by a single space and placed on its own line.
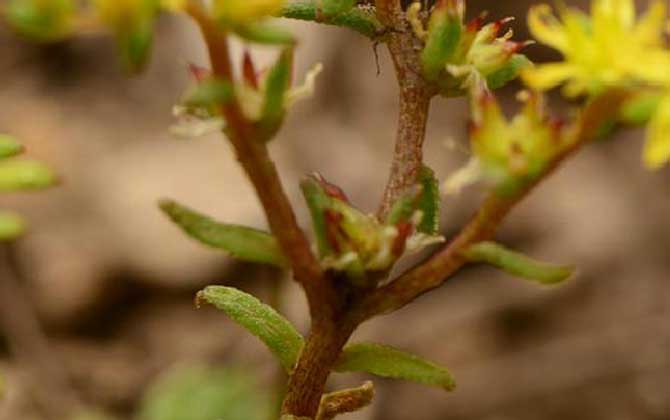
x=389 y=362
x=277 y=83
x=358 y=19
x=208 y=93
x=510 y=71
x=336 y=7
x=18 y=175
x=518 y=264
x=265 y=33
x=317 y=201
x=345 y=401
x=444 y=35
x=9 y=146
x=239 y=241
x=261 y=320
x=39 y=19
x=429 y=203
x=11 y=226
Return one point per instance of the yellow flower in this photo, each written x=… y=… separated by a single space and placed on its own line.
x=245 y=11
x=657 y=149
x=609 y=48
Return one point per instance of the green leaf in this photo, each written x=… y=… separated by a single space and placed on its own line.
x=429 y=203
x=11 y=226
x=402 y=209
x=134 y=44
x=259 y=319
x=444 y=35
x=41 y=20
x=389 y=362
x=508 y=72
x=357 y=19
x=205 y=393
x=518 y=264
x=335 y=7
x=277 y=83
x=18 y=175
x=265 y=33
x=9 y=146
x=239 y=241
x=318 y=201
x=210 y=92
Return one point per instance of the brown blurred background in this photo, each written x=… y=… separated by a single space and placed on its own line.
x=112 y=281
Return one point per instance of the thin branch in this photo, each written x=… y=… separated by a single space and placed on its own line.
x=483 y=226
x=255 y=159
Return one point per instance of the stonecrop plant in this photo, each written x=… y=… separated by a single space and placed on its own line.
x=614 y=67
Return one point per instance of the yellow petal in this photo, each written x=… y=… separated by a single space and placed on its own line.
x=173 y=5
x=657 y=148
x=546 y=28
x=649 y=29
x=547 y=76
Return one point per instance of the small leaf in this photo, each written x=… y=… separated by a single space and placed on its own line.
x=259 y=319
x=402 y=210
x=11 y=226
x=429 y=203
x=18 y=175
x=444 y=34
x=318 y=201
x=210 y=92
x=388 y=362
x=277 y=83
x=240 y=241
x=358 y=19
x=336 y=7
x=518 y=264
x=345 y=401
x=640 y=107
x=134 y=45
x=264 y=33
x=9 y=146
x=508 y=72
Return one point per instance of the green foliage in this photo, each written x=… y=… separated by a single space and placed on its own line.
x=640 y=107
x=336 y=7
x=389 y=362
x=9 y=146
x=42 y=20
x=317 y=201
x=276 y=85
x=18 y=175
x=444 y=36
x=205 y=393
x=518 y=264
x=508 y=72
x=358 y=19
x=429 y=202
x=239 y=241
x=209 y=93
x=259 y=319
x=265 y=33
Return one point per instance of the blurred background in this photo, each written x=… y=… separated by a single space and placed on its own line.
x=104 y=315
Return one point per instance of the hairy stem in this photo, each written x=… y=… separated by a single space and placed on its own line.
x=254 y=157
x=307 y=383
x=414 y=103
x=483 y=226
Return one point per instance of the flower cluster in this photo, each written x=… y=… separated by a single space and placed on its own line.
x=454 y=50
x=611 y=48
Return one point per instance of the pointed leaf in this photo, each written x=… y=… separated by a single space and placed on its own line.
x=345 y=401
x=389 y=362
x=239 y=241
x=318 y=201
x=210 y=92
x=41 y=20
x=264 y=33
x=9 y=146
x=11 y=226
x=18 y=175
x=276 y=85
x=508 y=72
x=429 y=203
x=518 y=264
x=444 y=34
x=336 y=7
x=358 y=19
x=260 y=319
